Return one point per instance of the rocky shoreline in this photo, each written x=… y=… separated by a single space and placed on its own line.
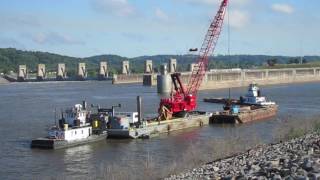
x=298 y=158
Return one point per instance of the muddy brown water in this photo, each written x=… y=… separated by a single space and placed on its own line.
x=26 y=110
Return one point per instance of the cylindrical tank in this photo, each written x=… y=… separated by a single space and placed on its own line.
x=164 y=69
x=65 y=127
x=95 y=124
x=139 y=108
x=164 y=84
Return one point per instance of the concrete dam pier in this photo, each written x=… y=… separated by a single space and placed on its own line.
x=148 y=78
x=61 y=74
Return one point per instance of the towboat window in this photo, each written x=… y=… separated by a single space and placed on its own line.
x=82 y=131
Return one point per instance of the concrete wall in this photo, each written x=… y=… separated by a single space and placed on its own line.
x=150 y=79
x=127 y=79
x=225 y=79
x=218 y=79
x=192 y=66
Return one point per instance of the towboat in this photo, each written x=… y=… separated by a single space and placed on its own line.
x=253 y=97
x=76 y=126
x=249 y=108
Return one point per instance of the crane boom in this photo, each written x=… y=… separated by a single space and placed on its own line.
x=185 y=100
x=206 y=50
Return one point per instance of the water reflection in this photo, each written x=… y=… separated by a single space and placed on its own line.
x=77 y=160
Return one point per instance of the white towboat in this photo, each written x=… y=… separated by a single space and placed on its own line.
x=76 y=126
x=253 y=97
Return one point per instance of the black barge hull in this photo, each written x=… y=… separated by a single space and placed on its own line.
x=46 y=143
x=260 y=113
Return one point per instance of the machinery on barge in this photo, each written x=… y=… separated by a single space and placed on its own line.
x=184 y=100
x=248 y=108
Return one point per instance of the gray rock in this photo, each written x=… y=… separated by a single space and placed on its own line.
x=288 y=178
x=276 y=177
x=314 y=176
x=307 y=165
x=295 y=159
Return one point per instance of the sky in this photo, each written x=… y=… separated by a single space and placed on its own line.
x=132 y=28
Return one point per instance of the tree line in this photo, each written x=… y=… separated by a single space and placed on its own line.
x=10 y=58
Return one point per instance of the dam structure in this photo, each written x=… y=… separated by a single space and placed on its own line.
x=221 y=78
x=214 y=79
x=218 y=79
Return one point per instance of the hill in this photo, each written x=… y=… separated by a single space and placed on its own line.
x=10 y=58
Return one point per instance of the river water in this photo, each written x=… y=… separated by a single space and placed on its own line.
x=27 y=109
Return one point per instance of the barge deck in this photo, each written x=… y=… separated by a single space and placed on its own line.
x=154 y=128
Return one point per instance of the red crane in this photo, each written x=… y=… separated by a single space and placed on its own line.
x=185 y=100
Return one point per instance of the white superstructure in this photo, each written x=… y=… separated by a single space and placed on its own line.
x=77 y=113
x=254 y=97
x=131 y=116
x=75 y=125
x=70 y=134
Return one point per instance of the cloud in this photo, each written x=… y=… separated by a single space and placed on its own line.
x=282 y=8
x=53 y=38
x=117 y=7
x=18 y=21
x=161 y=15
x=238 y=19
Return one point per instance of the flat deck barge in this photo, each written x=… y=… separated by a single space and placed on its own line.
x=245 y=116
x=153 y=128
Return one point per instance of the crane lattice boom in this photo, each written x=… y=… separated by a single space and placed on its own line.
x=206 y=50
x=185 y=100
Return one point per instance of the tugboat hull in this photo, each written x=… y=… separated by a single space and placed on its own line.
x=46 y=143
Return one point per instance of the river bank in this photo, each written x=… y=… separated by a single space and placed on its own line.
x=3 y=81
x=298 y=158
